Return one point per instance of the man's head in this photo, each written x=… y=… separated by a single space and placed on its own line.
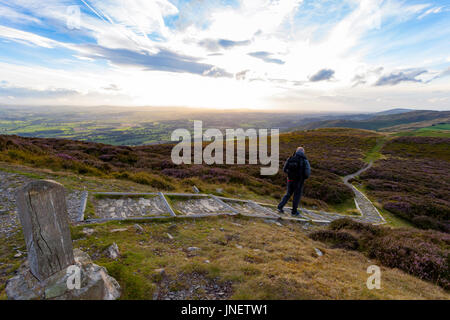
x=301 y=149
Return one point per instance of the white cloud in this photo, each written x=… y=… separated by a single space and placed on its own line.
x=430 y=11
x=26 y=37
x=257 y=40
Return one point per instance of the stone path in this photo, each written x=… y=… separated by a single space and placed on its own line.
x=9 y=220
x=123 y=206
x=369 y=213
x=201 y=205
x=120 y=206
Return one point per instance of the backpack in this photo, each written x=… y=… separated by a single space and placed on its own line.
x=295 y=167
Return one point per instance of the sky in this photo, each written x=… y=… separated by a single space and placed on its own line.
x=296 y=55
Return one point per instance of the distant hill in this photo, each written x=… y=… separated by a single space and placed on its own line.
x=391 y=120
x=393 y=111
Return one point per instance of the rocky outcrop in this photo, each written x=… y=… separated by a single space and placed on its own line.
x=94 y=283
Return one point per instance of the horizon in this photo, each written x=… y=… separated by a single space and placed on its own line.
x=219 y=110
x=276 y=56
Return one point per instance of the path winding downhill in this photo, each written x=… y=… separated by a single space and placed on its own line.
x=76 y=201
x=369 y=213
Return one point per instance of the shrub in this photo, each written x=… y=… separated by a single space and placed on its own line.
x=338 y=239
x=424 y=254
x=151 y=180
x=349 y=224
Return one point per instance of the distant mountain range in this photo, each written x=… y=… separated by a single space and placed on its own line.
x=390 y=120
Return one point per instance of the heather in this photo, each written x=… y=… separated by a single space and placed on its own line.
x=332 y=153
x=413 y=182
x=424 y=254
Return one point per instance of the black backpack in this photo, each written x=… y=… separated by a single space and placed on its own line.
x=295 y=167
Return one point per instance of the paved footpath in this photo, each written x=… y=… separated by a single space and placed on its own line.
x=190 y=207
x=369 y=213
x=10 y=182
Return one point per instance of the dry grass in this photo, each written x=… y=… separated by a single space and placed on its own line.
x=256 y=259
x=261 y=260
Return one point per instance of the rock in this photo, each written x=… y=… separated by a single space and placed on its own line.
x=318 y=252
x=239 y=246
x=278 y=224
x=95 y=283
x=207 y=261
x=222 y=229
x=44 y=218
x=138 y=228
x=219 y=190
x=112 y=251
x=169 y=236
x=18 y=255
x=119 y=230
x=191 y=249
x=161 y=271
x=88 y=231
x=196 y=190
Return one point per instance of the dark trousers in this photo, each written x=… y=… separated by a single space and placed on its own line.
x=293 y=187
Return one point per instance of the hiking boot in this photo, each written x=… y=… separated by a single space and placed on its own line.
x=295 y=214
x=280 y=210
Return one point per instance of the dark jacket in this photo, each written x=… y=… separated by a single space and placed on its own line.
x=307 y=168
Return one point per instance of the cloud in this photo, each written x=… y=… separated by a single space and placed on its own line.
x=112 y=87
x=20 y=92
x=442 y=74
x=26 y=37
x=430 y=11
x=321 y=75
x=242 y=75
x=17 y=17
x=266 y=57
x=164 y=60
x=215 y=45
x=365 y=76
x=401 y=76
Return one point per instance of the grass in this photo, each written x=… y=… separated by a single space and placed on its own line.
x=347 y=207
x=391 y=219
x=332 y=152
x=274 y=262
x=438 y=131
x=375 y=153
x=423 y=254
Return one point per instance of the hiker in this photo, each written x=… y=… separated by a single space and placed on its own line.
x=298 y=170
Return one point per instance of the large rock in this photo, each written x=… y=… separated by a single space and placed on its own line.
x=95 y=283
x=43 y=215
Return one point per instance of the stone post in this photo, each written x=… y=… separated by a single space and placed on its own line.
x=43 y=214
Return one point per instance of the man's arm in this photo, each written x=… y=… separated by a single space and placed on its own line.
x=307 y=169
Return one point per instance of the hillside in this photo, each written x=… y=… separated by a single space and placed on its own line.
x=389 y=122
x=236 y=257
x=411 y=180
x=332 y=152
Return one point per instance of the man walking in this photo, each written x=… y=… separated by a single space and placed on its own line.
x=298 y=170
